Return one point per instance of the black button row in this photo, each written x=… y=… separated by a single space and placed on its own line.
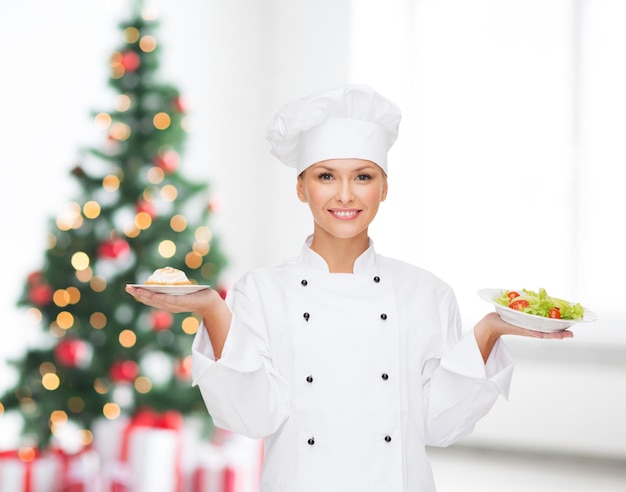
x=311 y=441
x=304 y=282
x=306 y=316
x=384 y=376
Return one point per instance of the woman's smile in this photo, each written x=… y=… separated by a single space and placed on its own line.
x=344 y=214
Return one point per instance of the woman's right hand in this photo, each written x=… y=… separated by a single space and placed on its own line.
x=200 y=302
x=207 y=303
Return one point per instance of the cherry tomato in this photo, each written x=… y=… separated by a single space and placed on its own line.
x=555 y=312
x=513 y=294
x=519 y=304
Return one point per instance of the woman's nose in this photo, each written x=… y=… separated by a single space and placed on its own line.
x=344 y=192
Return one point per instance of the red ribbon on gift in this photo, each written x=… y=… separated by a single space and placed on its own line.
x=68 y=484
x=27 y=459
x=171 y=420
x=228 y=479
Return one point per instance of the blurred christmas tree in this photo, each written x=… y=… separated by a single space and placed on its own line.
x=104 y=354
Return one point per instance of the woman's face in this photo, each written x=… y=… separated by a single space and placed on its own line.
x=343 y=195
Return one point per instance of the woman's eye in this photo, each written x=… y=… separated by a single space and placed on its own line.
x=364 y=177
x=325 y=176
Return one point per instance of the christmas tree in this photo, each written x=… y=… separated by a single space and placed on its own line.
x=102 y=353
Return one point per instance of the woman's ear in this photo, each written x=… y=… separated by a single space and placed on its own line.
x=383 y=194
x=300 y=189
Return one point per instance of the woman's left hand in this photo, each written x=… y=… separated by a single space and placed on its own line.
x=492 y=326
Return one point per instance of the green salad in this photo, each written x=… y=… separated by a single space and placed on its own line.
x=540 y=304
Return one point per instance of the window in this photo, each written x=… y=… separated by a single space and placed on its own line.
x=509 y=167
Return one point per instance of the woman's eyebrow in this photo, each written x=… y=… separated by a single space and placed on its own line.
x=325 y=168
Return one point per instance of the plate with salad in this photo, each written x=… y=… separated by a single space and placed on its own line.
x=536 y=310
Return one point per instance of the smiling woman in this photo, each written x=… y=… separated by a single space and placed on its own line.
x=296 y=335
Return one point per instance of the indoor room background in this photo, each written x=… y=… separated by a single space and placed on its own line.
x=508 y=172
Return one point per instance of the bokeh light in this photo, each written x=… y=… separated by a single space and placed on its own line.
x=155 y=175
x=147 y=44
x=91 y=209
x=169 y=193
x=80 y=260
x=131 y=34
x=127 y=338
x=167 y=248
x=102 y=121
x=50 y=381
x=190 y=325
x=98 y=320
x=178 y=223
x=111 y=411
x=161 y=121
x=111 y=183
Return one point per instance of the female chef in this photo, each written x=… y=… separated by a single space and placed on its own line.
x=347 y=363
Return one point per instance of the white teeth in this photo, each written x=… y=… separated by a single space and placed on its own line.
x=342 y=213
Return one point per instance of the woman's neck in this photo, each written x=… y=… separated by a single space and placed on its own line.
x=340 y=254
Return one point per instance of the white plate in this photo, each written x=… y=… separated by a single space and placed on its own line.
x=174 y=290
x=531 y=321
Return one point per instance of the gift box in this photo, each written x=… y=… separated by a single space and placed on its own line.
x=28 y=470
x=79 y=471
x=228 y=464
x=141 y=454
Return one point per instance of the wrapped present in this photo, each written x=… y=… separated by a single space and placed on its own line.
x=141 y=454
x=79 y=471
x=228 y=464
x=28 y=470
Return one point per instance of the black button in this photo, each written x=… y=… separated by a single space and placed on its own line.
x=306 y=316
x=383 y=316
x=311 y=441
x=387 y=438
x=304 y=282
x=376 y=279
x=385 y=376
x=309 y=379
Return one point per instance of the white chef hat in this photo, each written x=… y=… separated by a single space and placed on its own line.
x=350 y=122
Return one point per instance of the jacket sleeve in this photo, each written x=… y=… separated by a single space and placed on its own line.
x=242 y=391
x=460 y=388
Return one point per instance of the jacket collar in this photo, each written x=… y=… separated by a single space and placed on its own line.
x=366 y=263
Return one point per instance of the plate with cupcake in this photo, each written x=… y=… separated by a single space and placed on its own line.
x=169 y=280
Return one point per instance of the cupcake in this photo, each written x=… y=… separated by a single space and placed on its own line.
x=168 y=276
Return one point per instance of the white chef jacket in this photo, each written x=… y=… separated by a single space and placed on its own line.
x=347 y=377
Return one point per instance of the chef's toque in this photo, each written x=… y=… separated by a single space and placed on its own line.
x=350 y=122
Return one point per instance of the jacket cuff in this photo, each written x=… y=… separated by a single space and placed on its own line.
x=466 y=360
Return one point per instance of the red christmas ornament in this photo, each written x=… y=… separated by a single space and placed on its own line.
x=124 y=371
x=168 y=161
x=147 y=207
x=72 y=352
x=178 y=103
x=79 y=172
x=130 y=61
x=113 y=248
x=222 y=291
x=215 y=205
x=40 y=294
x=34 y=278
x=161 y=320
x=183 y=369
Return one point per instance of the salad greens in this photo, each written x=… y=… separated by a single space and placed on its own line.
x=540 y=304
